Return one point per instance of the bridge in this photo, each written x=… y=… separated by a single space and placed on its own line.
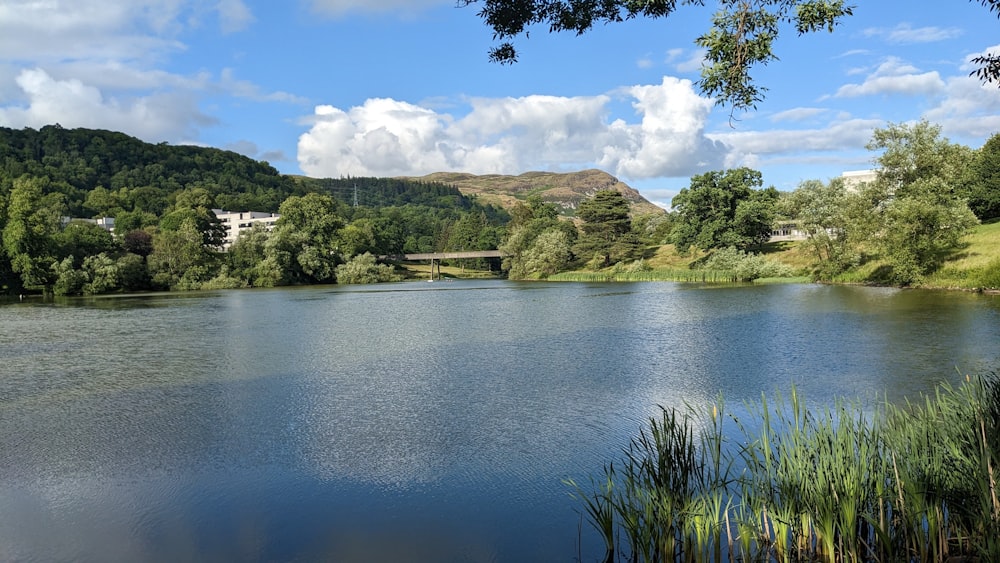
x=438 y=256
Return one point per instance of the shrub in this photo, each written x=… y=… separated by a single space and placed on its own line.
x=743 y=266
x=363 y=269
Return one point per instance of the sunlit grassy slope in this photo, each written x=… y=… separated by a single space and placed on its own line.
x=976 y=265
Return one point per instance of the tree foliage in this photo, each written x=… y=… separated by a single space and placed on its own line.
x=363 y=269
x=741 y=38
x=909 y=219
x=988 y=64
x=984 y=189
x=32 y=218
x=743 y=266
x=917 y=199
x=529 y=221
x=607 y=236
x=158 y=193
x=827 y=214
x=724 y=208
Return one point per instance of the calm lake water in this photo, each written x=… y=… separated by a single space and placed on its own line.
x=406 y=422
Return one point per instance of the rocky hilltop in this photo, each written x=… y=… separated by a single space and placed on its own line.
x=566 y=190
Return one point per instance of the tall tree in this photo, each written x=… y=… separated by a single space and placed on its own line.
x=724 y=208
x=607 y=236
x=79 y=239
x=918 y=199
x=827 y=214
x=910 y=152
x=33 y=219
x=304 y=246
x=180 y=259
x=984 y=190
x=549 y=253
x=528 y=222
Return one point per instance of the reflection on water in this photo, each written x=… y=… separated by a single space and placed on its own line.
x=405 y=421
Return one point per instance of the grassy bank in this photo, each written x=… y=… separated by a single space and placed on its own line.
x=975 y=266
x=916 y=482
x=418 y=271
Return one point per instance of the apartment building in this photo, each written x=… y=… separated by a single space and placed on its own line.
x=238 y=221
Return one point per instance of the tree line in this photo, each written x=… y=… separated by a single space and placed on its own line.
x=166 y=233
x=928 y=192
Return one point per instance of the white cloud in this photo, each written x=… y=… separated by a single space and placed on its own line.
x=385 y=137
x=73 y=103
x=80 y=29
x=234 y=15
x=692 y=62
x=747 y=148
x=797 y=114
x=102 y=64
x=970 y=109
x=904 y=33
x=894 y=76
x=338 y=8
x=245 y=89
x=670 y=140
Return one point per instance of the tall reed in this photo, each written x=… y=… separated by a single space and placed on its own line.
x=910 y=482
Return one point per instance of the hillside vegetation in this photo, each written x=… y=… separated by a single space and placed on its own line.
x=933 y=224
x=565 y=190
x=55 y=182
x=975 y=266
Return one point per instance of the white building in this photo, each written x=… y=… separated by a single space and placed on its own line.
x=238 y=221
x=854 y=178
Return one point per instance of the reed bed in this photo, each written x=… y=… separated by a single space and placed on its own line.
x=900 y=483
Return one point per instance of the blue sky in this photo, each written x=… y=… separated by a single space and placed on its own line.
x=331 y=88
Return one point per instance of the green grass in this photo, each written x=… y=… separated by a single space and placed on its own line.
x=423 y=271
x=974 y=266
x=912 y=482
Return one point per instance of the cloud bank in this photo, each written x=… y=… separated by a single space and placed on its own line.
x=385 y=137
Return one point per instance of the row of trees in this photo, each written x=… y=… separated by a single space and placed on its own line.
x=540 y=244
x=166 y=233
x=926 y=195
x=168 y=237
x=315 y=234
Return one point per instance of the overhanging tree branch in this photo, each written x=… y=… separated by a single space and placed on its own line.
x=741 y=38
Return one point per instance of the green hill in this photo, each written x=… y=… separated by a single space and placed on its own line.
x=566 y=190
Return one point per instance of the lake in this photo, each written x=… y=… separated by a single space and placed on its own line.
x=412 y=421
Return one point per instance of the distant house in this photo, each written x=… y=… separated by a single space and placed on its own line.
x=238 y=221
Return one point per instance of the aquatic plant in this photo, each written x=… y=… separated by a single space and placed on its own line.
x=909 y=482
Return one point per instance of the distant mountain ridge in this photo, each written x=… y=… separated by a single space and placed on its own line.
x=566 y=190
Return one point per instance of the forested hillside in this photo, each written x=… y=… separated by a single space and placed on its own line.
x=167 y=237
x=140 y=175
